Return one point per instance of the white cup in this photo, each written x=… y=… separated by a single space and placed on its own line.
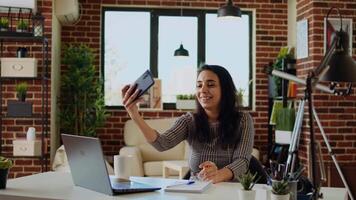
x=31 y=134
x=122 y=168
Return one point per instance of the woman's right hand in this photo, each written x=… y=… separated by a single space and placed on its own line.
x=129 y=94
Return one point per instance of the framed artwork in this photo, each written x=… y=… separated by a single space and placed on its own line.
x=302 y=39
x=332 y=25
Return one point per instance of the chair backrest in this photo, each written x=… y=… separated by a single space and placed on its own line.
x=134 y=137
x=256 y=166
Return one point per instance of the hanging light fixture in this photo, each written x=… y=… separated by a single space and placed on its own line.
x=180 y=52
x=229 y=10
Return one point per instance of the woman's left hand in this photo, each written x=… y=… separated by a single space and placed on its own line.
x=210 y=172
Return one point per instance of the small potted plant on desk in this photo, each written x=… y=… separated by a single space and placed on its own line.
x=4 y=24
x=5 y=165
x=280 y=190
x=247 y=181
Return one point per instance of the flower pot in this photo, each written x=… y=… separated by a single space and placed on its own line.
x=185 y=104
x=247 y=194
x=283 y=137
x=3 y=178
x=279 y=197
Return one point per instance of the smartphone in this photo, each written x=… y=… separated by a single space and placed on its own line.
x=144 y=82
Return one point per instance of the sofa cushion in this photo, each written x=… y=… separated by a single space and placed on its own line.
x=154 y=168
x=149 y=153
x=133 y=135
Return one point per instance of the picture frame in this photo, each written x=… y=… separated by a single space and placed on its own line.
x=333 y=24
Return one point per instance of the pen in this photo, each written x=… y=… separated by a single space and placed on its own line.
x=187 y=183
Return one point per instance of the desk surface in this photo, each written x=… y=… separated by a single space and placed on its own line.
x=56 y=185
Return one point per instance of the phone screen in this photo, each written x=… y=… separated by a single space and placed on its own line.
x=144 y=82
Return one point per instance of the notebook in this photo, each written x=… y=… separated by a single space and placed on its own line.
x=173 y=185
x=196 y=187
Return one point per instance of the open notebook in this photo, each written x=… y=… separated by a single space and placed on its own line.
x=196 y=187
x=173 y=185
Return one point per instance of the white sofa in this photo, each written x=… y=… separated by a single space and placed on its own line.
x=146 y=160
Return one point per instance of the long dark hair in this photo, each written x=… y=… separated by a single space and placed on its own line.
x=229 y=116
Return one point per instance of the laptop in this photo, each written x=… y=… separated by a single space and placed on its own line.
x=87 y=165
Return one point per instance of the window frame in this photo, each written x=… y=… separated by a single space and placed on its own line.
x=155 y=13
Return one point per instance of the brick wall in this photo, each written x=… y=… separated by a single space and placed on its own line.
x=15 y=128
x=271 y=34
x=337 y=114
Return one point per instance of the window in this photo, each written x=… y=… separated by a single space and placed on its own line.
x=140 y=39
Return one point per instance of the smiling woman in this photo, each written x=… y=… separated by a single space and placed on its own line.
x=219 y=135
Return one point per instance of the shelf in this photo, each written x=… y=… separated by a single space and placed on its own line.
x=14 y=157
x=23 y=78
x=13 y=36
x=34 y=116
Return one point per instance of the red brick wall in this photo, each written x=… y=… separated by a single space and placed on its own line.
x=15 y=128
x=337 y=114
x=271 y=34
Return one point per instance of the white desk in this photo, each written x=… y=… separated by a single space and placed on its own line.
x=56 y=185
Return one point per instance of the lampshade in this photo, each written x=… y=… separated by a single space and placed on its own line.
x=342 y=68
x=229 y=10
x=181 y=51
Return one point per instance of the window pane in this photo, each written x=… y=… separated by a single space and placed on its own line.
x=227 y=44
x=126 y=51
x=178 y=74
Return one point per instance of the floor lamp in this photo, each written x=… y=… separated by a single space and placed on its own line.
x=336 y=66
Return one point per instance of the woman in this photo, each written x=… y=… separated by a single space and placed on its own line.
x=220 y=137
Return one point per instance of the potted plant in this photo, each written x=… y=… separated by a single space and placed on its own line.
x=4 y=24
x=185 y=101
x=240 y=96
x=20 y=108
x=280 y=190
x=5 y=165
x=82 y=106
x=285 y=118
x=22 y=26
x=247 y=181
x=21 y=91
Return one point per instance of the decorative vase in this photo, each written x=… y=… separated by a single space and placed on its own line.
x=3 y=178
x=279 y=197
x=247 y=194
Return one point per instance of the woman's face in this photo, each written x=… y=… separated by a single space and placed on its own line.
x=208 y=90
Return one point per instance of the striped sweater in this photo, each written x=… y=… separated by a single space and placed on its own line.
x=235 y=157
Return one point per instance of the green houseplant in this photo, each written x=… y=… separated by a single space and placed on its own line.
x=240 y=96
x=5 y=165
x=21 y=91
x=247 y=180
x=22 y=25
x=285 y=118
x=82 y=102
x=280 y=190
x=4 y=24
x=185 y=101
